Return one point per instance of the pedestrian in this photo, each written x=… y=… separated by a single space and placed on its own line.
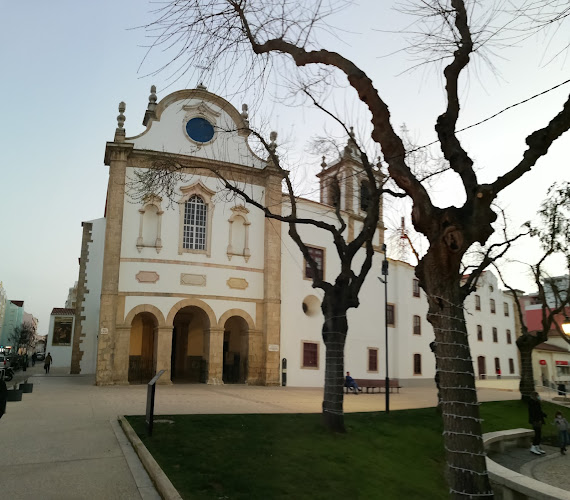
x=34 y=358
x=47 y=362
x=563 y=436
x=498 y=371
x=536 y=418
x=351 y=383
x=3 y=394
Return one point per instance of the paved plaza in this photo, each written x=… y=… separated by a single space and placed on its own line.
x=63 y=442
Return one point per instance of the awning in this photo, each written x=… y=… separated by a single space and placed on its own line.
x=561 y=363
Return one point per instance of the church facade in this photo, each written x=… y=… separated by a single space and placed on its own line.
x=203 y=286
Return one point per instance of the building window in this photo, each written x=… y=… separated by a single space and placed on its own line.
x=417 y=364
x=391 y=315
x=372 y=359
x=417 y=325
x=492 y=302
x=479 y=333
x=310 y=355
x=506 y=308
x=196 y=215
x=416 y=287
x=495 y=335
x=511 y=366
x=477 y=303
x=318 y=255
x=509 y=337
x=364 y=196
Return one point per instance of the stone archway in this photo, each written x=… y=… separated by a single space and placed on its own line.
x=142 y=348
x=189 y=357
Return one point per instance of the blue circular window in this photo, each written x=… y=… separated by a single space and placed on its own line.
x=200 y=130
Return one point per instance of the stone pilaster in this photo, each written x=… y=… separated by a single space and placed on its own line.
x=214 y=350
x=116 y=155
x=255 y=358
x=272 y=281
x=120 y=355
x=78 y=335
x=163 y=338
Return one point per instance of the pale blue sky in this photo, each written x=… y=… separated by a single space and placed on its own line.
x=66 y=65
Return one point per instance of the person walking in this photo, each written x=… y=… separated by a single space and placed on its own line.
x=563 y=436
x=34 y=358
x=47 y=362
x=536 y=418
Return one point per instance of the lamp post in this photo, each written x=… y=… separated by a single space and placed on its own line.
x=385 y=281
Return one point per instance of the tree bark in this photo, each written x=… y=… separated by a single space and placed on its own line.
x=335 y=329
x=465 y=453
x=526 y=385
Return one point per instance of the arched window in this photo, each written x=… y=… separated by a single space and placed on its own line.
x=195 y=218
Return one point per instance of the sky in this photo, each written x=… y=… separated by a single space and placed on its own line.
x=66 y=65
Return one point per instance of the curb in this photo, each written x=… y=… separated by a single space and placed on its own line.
x=163 y=485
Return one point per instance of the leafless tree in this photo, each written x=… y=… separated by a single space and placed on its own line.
x=210 y=33
x=23 y=336
x=554 y=235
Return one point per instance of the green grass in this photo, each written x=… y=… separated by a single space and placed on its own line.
x=291 y=456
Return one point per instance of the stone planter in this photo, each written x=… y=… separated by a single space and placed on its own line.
x=26 y=388
x=14 y=395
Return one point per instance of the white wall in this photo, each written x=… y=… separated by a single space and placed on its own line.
x=92 y=299
x=61 y=355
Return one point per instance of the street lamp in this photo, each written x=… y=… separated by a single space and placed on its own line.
x=566 y=325
x=385 y=281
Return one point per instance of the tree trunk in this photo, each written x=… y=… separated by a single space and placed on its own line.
x=465 y=453
x=526 y=385
x=335 y=328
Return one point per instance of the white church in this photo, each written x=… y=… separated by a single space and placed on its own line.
x=211 y=291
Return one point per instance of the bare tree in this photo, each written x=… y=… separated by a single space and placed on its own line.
x=23 y=336
x=261 y=32
x=554 y=235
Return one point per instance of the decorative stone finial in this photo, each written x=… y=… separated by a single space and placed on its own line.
x=272 y=144
x=245 y=114
x=149 y=113
x=201 y=86
x=120 y=130
x=324 y=163
x=152 y=96
x=351 y=133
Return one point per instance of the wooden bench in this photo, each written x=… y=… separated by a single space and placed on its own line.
x=371 y=384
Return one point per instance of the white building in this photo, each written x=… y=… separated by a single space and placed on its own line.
x=211 y=291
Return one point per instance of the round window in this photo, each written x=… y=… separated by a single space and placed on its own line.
x=200 y=130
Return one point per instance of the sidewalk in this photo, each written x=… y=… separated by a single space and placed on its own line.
x=61 y=442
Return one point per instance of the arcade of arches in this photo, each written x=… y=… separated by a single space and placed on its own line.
x=195 y=348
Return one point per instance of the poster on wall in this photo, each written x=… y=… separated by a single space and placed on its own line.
x=62 y=327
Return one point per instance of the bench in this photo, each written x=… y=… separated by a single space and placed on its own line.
x=371 y=384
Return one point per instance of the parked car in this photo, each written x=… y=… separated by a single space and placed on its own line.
x=40 y=356
x=4 y=361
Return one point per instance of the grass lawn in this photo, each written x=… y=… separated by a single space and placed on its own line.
x=396 y=456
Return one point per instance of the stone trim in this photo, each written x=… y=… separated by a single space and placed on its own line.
x=192 y=302
x=190 y=263
x=206 y=195
x=82 y=291
x=195 y=296
x=159 y=317
x=236 y=312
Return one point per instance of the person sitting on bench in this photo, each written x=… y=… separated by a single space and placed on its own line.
x=350 y=383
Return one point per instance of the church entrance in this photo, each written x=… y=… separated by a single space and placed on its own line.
x=142 y=348
x=188 y=362
x=235 y=351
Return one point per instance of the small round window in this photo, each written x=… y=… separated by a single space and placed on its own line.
x=200 y=130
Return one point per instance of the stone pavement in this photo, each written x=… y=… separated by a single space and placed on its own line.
x=62 y=441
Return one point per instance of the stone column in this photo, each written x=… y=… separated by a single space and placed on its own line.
x=163 y=353
x=121 y=355
x=272 y=281
x=116 y=155
x=214 y=351
x=255 y=358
